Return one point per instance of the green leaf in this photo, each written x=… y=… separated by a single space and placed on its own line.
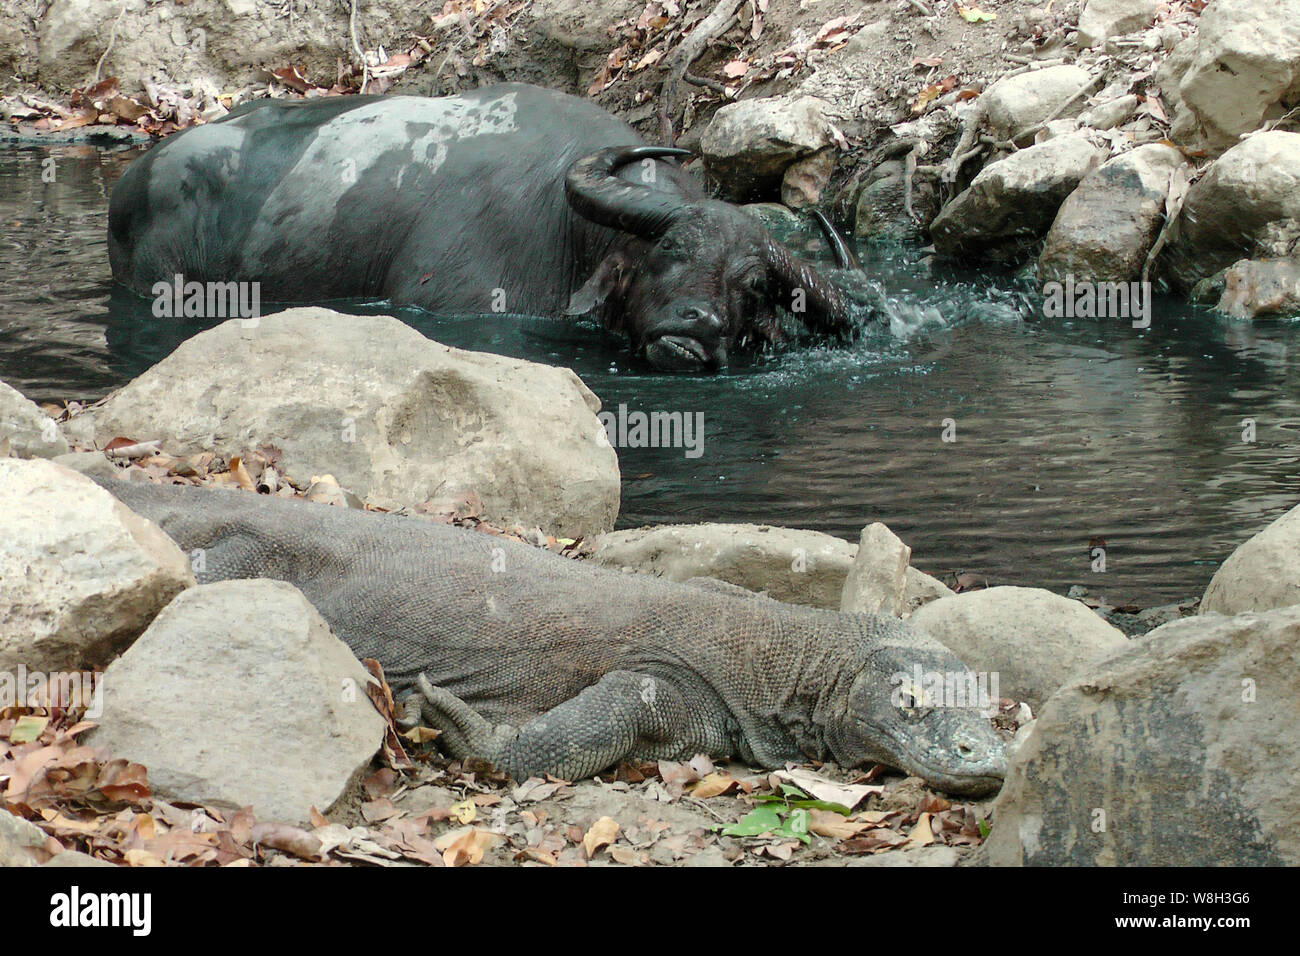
x=984 y=828
x=789 y=790
x=822 y=805
x=758 y=821
x=27 y=728
x=795 y=826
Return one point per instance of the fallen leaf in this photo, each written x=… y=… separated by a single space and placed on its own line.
x=849 y=795
x=602 y=833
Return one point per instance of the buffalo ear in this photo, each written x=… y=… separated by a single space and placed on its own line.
x=610 y=280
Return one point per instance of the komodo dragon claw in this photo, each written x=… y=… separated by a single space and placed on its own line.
x=464 y=731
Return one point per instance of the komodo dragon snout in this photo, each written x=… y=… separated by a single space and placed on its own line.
x=899 y=713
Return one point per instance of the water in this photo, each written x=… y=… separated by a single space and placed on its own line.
x=1065 y=431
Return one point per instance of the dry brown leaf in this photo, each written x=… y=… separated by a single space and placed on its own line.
x=715 y=784
x=602 y=833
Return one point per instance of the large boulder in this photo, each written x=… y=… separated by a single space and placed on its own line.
x=1012 y=202
x=1033 y=639
x=1262 y=574
x=239 y=695
x=747 y=146
x=1106 y=227
x=1242 y=69
x=395 y=417
x=1016 y=104
x=81 y=576
x=800 y=567
x=1254 y=287
x=1101 y=19
x=1235 y=209
x=1176 y=750
x=881 y=208
x=30 y=433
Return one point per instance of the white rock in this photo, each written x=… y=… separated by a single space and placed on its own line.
x=21 y=841
x=81 y=576
x=1101 y=19
x=1015 y=104
x=395 y=417
x=1033 y=639
x=1263 y=573
x=877 y=582
x=1230 y=210
x=921 y=589
x=748 y=145
x=28 y=430
x=239 y=695
x=1244 y=68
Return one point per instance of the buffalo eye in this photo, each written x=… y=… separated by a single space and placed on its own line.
x=667 y=244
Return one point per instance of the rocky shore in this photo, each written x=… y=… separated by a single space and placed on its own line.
x=1094 y=147
x=87 y=588
x=1103 y=142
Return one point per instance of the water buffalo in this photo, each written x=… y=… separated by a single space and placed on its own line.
x=509 y=198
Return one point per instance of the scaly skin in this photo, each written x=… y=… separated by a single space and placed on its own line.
x=546 y=665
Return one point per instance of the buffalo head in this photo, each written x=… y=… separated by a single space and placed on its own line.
x=700 y=277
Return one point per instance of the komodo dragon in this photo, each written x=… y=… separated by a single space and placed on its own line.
x=591 y=665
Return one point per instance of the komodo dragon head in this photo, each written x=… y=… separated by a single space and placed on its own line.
x=914 y=706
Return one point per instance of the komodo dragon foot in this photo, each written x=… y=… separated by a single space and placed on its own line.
x=622 y=715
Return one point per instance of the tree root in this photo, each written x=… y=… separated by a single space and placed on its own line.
x=718 y=22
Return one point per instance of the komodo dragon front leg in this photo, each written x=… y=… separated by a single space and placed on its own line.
x=624 y=714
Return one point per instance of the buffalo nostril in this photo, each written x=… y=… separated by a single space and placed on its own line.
x=703 y=318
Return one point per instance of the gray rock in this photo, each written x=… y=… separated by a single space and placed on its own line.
x=1240 y=202
x=81 y=576
x=239 y=695
x=921 y=589
x=29 y=432
x=1262 y=574
x=1241 y=69
x=1106 y=227
x=805 y=179
x=1176 y=750
x=20 y=841
x=93 y=464
x=877 y=582
x=74 y=858
x=1016 y=104
x=1012 y=202
x=1033 y=639
x=935 y=855
x=1111 y=113
x=881 y=211
x=1254 y=287
x=747 y=146
x=800 y=567
x=395 y=417
x=1101 y=19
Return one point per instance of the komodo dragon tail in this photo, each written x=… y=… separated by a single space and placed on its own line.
x=547 y=665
